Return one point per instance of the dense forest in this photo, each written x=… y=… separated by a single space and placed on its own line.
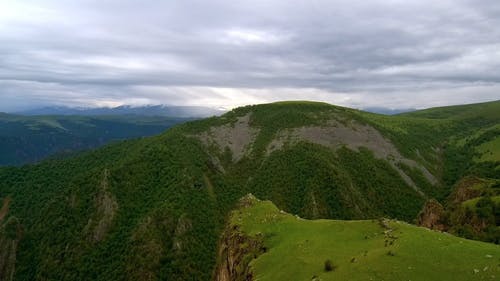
x=28 y=139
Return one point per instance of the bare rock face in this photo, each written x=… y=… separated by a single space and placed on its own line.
x=431 y=216
x=237 y=137
x=236 y=250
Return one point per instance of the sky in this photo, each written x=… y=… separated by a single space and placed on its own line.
x=227 y=53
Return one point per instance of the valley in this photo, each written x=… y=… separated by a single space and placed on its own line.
x=29 y=139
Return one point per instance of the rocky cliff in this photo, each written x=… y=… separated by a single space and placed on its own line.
x=236 y=251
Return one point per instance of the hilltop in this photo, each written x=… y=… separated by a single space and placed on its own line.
x=485 y=110
x=263 y=243
x=154 y=208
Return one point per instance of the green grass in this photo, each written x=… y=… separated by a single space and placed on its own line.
x=490 y=151
x=472 y=202
x=486 y=110
x=298 y=249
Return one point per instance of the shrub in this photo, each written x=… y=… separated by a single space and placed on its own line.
x=329 y=266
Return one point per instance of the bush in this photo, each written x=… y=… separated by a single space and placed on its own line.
x=329 y=266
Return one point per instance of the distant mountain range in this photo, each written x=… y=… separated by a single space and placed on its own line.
x=388 y=111
x=33 y=135
x=28 y=139
x=163 y=110
x=149 y=110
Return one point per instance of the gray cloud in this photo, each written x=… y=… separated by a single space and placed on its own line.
x=397 y=54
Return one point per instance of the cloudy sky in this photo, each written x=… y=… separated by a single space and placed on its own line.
x=225 y=53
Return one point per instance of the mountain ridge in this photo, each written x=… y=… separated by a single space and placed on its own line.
x=147 y=110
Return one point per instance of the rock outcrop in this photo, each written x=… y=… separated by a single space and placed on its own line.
x=465 y=190
x=431 y=216
x=237 y=137
x=236 y=251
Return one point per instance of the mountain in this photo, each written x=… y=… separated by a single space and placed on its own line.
x=388 y=111
x=486 y=110
x=150 y=110
x=282 y=246
x=27 y=139
x=155 y=208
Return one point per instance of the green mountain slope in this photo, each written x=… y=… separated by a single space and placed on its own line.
x=27 y=139
x=268 y=244
x=486 y=110
x=154 y=208
x=473 y=144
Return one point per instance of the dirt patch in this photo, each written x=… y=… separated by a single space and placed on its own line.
x=353 y=135
x=237 y=137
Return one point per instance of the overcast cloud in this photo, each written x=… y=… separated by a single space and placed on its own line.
x=395 y=54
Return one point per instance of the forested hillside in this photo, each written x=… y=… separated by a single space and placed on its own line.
x=154 y=208
x=27 y=139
